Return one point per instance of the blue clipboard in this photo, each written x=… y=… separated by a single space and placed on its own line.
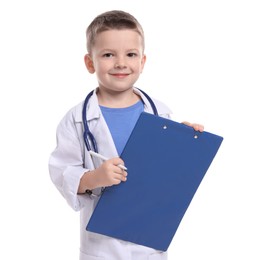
x=166 y=163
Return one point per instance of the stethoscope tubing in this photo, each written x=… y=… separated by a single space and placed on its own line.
x=87 y=135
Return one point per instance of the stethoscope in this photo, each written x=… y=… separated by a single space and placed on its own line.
x=87 y=135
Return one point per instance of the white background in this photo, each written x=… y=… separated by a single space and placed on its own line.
x=200 y=61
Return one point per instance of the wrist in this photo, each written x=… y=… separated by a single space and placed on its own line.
x=87 y=183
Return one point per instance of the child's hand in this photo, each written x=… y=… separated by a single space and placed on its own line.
x=109 y=173
x=196 y=127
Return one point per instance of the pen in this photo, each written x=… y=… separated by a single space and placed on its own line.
x=105 y=159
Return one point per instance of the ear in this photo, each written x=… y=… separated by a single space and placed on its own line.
x=89 y=63
x=143 y=62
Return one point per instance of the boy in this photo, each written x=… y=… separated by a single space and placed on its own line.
x=115 y=45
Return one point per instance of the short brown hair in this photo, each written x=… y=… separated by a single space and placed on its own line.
x=115 y=19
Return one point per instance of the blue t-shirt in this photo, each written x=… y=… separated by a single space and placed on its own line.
x=121 y=122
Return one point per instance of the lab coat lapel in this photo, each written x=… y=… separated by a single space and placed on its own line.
x=99 y=129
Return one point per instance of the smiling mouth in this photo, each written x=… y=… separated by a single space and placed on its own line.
x=120 y=75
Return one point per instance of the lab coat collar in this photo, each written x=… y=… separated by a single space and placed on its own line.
x=93 y=109
x=147 y=105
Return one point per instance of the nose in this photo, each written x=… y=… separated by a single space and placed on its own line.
x=120 y=63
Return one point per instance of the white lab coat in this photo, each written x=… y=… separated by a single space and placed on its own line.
x=70 y=160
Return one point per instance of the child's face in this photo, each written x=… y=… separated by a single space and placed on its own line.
x=117 y=59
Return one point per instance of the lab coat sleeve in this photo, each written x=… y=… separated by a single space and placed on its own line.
x=66 y=163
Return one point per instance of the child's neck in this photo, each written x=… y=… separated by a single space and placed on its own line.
x=117 y=99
